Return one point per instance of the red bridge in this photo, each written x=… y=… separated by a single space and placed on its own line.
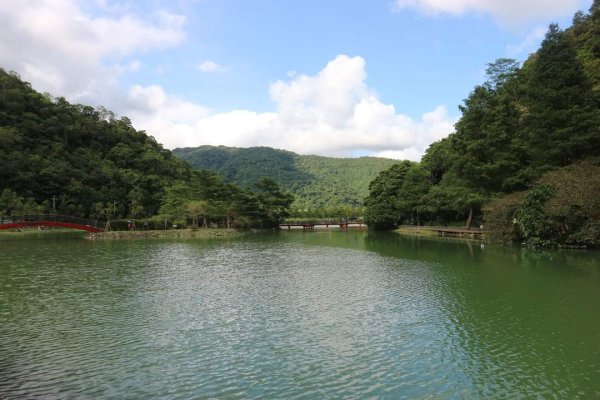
x=51 y=220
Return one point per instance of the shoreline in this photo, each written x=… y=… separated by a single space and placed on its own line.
x=430 y=232
x=202 y=233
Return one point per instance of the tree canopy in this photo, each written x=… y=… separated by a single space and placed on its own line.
x=518 y=128
x=57 y=157
x=317 y=183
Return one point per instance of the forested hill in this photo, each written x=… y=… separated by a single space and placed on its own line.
x=75 y=158
x=525 y=156
x=57 y=157
x=316 y=182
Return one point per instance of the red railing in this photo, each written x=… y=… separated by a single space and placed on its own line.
x=51 y=220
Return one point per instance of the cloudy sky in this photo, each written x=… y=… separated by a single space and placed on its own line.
x=328 y=77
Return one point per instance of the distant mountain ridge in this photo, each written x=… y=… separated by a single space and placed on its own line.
x=317 y=182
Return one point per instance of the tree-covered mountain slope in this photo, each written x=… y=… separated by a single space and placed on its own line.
x=74 y=159
x=525 y=155
x=57 y=157
x=316 y=182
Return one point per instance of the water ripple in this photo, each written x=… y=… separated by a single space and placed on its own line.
x=273 y=319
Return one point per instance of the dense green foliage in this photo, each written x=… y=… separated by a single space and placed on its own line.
x=516 y=128
x=318 y=183
x=383 y=209
x=84 y=158
x=207 y=200
x=562 y=208
x=524 y=159
x=57 y=157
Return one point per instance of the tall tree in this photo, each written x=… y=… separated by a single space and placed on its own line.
x=412 y=197
x=384 y=191
x=562 y=123
x=274 y=204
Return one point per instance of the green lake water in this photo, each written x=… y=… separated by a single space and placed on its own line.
x=296 y=315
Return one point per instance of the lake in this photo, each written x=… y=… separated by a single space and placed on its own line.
x=296 y=315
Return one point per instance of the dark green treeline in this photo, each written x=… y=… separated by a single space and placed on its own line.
x=57 y=157
x=528 y=139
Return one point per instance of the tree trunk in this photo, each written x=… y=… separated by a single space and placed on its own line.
x=469 y=218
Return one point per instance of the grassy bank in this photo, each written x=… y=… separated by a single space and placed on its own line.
x=173 y=233
x=25 y=232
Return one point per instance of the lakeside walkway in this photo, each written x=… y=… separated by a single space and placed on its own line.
x=474 y=233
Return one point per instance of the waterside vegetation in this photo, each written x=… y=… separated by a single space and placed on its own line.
x=525 y=157
x=524 y=161
x=215 y=233
x=57 y=157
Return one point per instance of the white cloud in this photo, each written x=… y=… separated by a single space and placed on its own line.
x=169 y=119
x=210 y=66
x=506 y=11
x=132 y=66
x=62 y=50
x=408 y=154
x=331 y=113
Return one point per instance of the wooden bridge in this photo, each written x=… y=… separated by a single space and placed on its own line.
x=51 y=220
x=310 y=225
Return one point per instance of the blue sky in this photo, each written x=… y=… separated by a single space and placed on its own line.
x=333 y=78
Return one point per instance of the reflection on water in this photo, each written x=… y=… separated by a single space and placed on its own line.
x=297 y=315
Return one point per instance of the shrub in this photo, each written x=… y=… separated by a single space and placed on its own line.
x=500 y=217
x=562 y=209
